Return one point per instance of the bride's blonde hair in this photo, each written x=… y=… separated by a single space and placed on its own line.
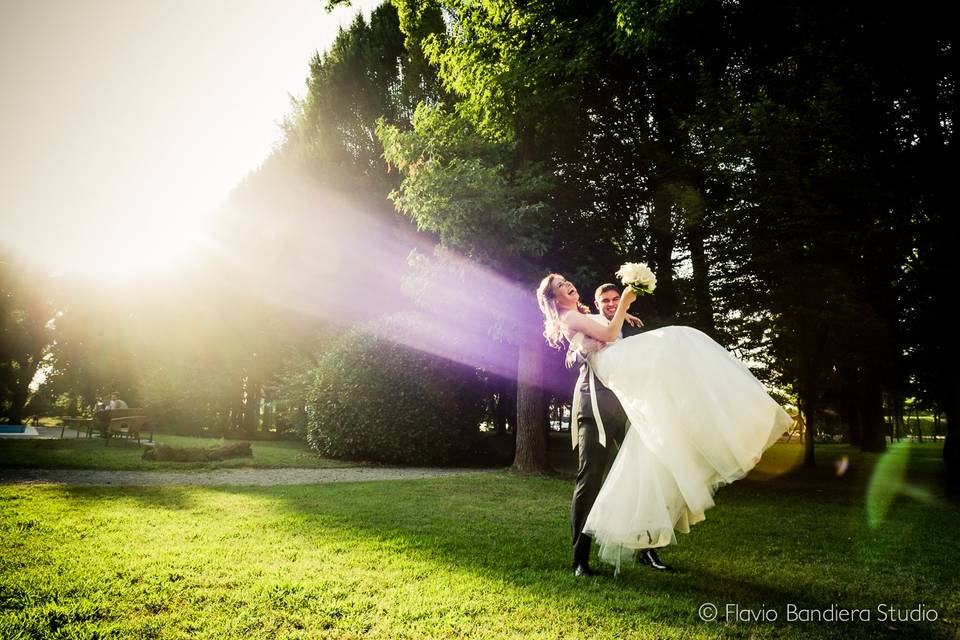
x=551 y=317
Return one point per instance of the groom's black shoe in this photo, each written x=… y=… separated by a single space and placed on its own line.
x=582 y=570
x=650 y=557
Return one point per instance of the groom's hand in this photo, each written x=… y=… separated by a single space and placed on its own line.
x=634 y=321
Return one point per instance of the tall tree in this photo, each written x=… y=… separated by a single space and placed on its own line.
x=523 y=75
x=460 y=186
x=26 y=314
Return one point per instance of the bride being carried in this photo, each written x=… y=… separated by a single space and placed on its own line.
x=693 y=419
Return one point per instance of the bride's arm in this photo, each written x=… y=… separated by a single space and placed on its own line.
x=579 y=322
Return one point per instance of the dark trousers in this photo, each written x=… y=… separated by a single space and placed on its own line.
x=593 y=462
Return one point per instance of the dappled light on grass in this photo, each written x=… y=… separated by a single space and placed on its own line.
x=777 y=461
x=381 y=560
x=483 y=556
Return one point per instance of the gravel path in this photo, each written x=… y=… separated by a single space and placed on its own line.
x=260 y=477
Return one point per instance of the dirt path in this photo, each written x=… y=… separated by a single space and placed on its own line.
x=259 y=477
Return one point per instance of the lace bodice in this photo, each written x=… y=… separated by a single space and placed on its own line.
x=580 y=348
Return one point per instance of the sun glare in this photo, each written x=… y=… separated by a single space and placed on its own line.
x=132 y=247
x=158 y=249
x=111 y=164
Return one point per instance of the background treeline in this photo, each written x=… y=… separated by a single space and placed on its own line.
x=785 y=168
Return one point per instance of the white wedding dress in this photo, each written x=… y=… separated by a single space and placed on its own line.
x=699 y=419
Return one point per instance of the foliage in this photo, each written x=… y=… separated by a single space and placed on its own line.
x=27 y=311
x=292 y=388
x=784 y=168
x=481 y=174
x=465 y=189
x=366 y=74
x=92 y=353
x=374 y=399
x=182 y=397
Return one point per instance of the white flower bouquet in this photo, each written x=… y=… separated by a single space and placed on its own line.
x=638 y=277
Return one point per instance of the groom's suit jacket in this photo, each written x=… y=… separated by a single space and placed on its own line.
x=591 y=399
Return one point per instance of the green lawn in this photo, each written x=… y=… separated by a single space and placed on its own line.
x=477 y=556
x=93 y=453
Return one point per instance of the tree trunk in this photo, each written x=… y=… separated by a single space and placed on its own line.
x=268 y=414
x=951 y=447
x=807 y=398
x=887 y=413
x=548 y=415
x=251 y=409
x=236 y=421
x=510 y=407
x=18 y=401
x=809 y=459
x=701 y=279
x=662 y=239
x=898 y=418
x=848 y=413
x=938 y=161
x=500 y=413
x=21 y=392
x=531 y=447
x=871 y=409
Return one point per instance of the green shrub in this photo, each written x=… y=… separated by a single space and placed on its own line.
x=372 y=399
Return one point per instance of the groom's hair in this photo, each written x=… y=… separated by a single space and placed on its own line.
x=602 y=289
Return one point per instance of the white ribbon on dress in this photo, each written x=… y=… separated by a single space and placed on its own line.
x=575 y=353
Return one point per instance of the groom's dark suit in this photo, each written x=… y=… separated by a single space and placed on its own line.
x=593 y=456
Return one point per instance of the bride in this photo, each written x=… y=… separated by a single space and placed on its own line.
x=698 y=420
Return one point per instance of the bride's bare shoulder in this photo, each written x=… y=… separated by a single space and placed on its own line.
x=571 y=322
x=574 y=318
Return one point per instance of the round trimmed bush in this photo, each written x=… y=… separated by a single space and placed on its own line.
x=372 y=399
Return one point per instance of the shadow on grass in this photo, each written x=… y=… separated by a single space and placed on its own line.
x=793 y=536
x=832 y=558
x=102 y=499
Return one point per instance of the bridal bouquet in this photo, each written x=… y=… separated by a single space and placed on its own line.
x=638 y=277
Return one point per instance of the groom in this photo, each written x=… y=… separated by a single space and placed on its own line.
x=598 y=421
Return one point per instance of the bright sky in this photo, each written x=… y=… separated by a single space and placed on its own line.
x=125 y=122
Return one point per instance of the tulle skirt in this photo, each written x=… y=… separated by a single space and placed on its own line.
x=699 y=419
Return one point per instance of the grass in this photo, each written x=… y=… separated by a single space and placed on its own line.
x=926 y=424
x=93 y=453
x=475 y=556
